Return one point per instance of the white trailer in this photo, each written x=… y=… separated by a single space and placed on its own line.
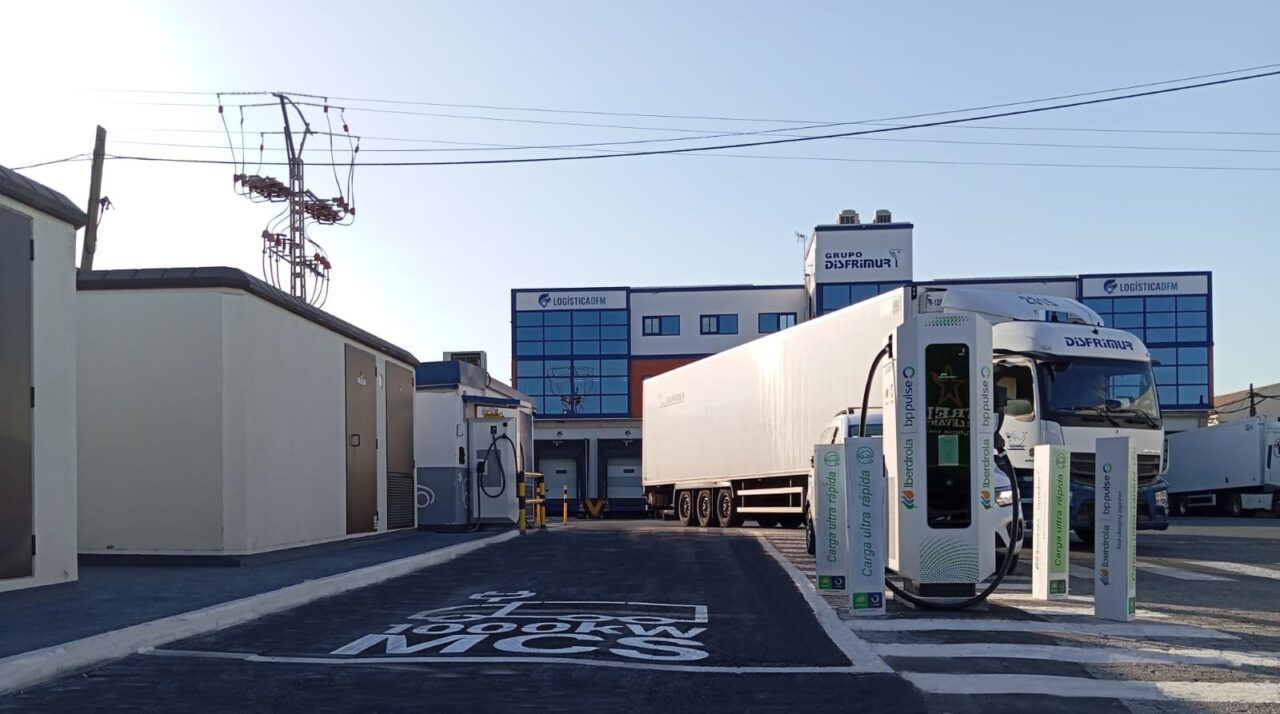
x=1229 y=468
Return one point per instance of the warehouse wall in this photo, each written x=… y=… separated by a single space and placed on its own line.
x=745 y=302
x=54 y=345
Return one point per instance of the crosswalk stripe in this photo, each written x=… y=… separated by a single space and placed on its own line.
x=1256 y=571
x=1073 y=687
x=1112 y=629
x=1179 y=573
x=1083 y=655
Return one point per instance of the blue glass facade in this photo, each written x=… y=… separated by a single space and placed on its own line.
x=833 y=296
x=573 y=362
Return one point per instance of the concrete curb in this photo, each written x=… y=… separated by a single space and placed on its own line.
x=28 y=668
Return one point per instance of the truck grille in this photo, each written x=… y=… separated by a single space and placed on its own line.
x=1084 y=465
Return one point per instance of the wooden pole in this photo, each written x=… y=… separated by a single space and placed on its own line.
x=95 y=195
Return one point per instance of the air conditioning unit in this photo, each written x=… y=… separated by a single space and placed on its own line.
x=479 y=358
x=883 y=216
x=848 y=217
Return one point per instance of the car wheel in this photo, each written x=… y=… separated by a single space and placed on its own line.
x=706 y=508
x=726 y=509
x=684 y=508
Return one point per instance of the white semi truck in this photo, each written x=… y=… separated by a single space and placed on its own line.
x=730 y=437
x=1230 y=468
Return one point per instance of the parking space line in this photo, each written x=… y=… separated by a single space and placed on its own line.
x=1180 y=574
x=1078 y=687
x=1255 y=571
x=1084 y=655
x=1077 y=627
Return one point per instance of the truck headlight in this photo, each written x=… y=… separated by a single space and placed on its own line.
x=1162 y=499
x=1004 y=497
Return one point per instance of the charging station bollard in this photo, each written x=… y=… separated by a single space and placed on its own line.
x=1115 y=510
x=564 y=507
x=868 y=534
x=831 y=532
x=1050 y=537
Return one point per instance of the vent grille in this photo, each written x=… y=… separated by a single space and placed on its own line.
x=400 y=504
x=1083 y=467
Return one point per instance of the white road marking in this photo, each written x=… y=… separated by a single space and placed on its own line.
x=1084 y=655
x=1179 y=573
x=1105 y=629
x=704 y=669
x=1084 y=610
x=860 y=655
x=1256 y=571
x=1078 y=687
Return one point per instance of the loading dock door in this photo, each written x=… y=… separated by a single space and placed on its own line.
x=560 y=473
x=400 y=487
x=624 y=478
x=362 y=450
x=16 y=397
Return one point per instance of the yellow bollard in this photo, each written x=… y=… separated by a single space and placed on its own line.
x=542 y=504
x=564 y=510
x=520 y=500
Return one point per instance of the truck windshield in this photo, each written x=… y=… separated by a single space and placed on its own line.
x=1087 y=392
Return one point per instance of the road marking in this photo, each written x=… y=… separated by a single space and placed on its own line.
x=1081 y=571
x=1180 y=574
x=860 y=655
x=703 y=669
x=1106 y=629
x=1085 y=609
x=1084 y=655
x=1074 y=687
x=1256 y=571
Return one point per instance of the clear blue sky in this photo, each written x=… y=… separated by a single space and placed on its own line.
x=434 y=251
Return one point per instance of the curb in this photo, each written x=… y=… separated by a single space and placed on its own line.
x=28 y=668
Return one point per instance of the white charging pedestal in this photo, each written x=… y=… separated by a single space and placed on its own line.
x=1051 y=513
x=830 y=526
x=868 y=533
x=1115 y=536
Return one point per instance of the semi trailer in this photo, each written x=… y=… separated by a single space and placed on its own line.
x=730 y=437
x=1229 y=469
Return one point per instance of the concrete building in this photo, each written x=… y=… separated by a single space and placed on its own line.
x=219 y=416
x=583 y=353
x=37 y=384
x=1234 y=406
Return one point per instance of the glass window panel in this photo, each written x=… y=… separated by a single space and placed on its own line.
x=1166 y=375
x=1128 y=305
x=558 y=333
x=587 y=385
x=834 y=297
x=651 y=325
x=709 y=325
x=1193 y=395
x=1161 y=304
x=1160 y=319
x=530 y=385
x=1193 y=355
x=1167 y=356
x=589 y=405
x=613 y=347
x=586 y=332
x=887 y=287
x=613 y=367
x=588 y=347
x=767 y=322
x=613 y=317
x=1193 y=302
x=1193 y=319
x=558 y=348
x=614 y=332
x=529 y=349
x=613 y=405
x=1168 y=395
x=557 y=367
x=1107 y=318
x=554 y=406
x=670 y=324
x=528 y=319
x=613 y=385
x=858 y=293
x=1127 y=320
x=1192 y=334
x=586 y=317
x=1140 y=334
x=589 y=367
x=786 y=319
x=528 y=368
x=1161 y=335
x=528 y=334
x=1193 y=375
x=1099 y=304
x=728 y=324
x=555 y=318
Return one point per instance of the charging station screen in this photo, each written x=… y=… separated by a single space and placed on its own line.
x=947 y=432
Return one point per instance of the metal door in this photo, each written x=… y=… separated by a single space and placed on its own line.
x=400 y=486
x=17 y=397
x=362 y=450
x=623 y=478
x=560 y=473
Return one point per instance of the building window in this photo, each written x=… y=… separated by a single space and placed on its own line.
x=719 y=325
x=832 y=297
x=573 y=362
x=1176 y=330
x=663 y=325
x=775 y=321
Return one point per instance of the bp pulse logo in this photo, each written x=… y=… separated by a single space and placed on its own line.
x=908 y=499
x=1106 y=468
x=908 y=371
x=986 y=372
x=544 y=299
x=1109 y=286
x=865 y=455
x=831 y=458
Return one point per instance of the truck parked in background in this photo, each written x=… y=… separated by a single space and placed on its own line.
x=1229 y=469
x=731 y=436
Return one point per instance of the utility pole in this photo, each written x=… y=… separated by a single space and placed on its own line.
x=1253 y=404
x=297 y=212
x=95 y=195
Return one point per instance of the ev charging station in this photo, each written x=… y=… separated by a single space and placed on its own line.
x=492 y=440
x=864 y=458
x=1051 y=536
x=939 y=428
x=831 y=531
x=1115 y=534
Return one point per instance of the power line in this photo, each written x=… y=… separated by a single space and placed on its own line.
x=792 y=140
x=76 y=157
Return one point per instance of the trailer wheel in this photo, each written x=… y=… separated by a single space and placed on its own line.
x=684 y=508
x=706 y=508
x=1180 y=505
x=726 y=509
x=810 y=537
x=1234 y=508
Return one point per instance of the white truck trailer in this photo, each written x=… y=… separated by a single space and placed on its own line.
x=1230 y=468
x=731 y=436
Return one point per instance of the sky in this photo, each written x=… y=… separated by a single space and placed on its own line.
x=434 y=252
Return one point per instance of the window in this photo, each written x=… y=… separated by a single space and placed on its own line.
x=832 y=297
x=1019 y=390
x=661 y=325
x=559 y=361
x=719 y=325
x=774 y=321
x=1176 y=330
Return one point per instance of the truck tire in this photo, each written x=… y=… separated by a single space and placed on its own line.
x=810 y=537
x=726 y=509
x=684 y=508
x=1233 y=506
x=791 y=521
x=705 y=505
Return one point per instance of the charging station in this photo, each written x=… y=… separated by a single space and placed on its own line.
x=864 y=458
x=939 y=423
x=831 y=533
x=1115 y=536
x=492 y=442
x=1050 y=535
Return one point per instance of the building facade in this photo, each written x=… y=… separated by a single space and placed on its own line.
x=583 y=353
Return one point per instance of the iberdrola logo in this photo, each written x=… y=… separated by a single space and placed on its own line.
x=1105 y=576
x=909 y=499
x=986 y=499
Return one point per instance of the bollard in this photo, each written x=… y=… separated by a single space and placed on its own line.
x=1050 y=537
x=520 y=500
x=542 y=504
x=829 y=524
x=1115 y=506
x=867 y=529
x=564 y=514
